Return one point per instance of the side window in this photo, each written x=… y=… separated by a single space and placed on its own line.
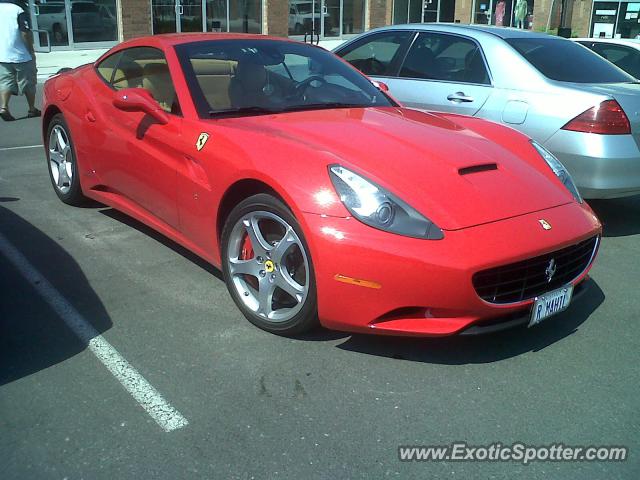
x=107 y=67
x=375 y=55
x=146 y=67
x=624 y=57
x=447 y=58
x=612 y=53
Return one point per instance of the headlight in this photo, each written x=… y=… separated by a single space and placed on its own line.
x=559 y=169
x=376 y=207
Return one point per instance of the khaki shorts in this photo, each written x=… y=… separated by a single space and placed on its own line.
x=18 y=78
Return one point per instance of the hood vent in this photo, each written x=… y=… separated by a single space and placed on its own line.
x=485 y=167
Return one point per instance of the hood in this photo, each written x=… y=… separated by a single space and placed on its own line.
x=451 y=174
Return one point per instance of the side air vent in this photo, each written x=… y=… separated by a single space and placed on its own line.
x=485 y=167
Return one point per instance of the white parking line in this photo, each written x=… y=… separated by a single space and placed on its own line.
x=142 y=391
x=20 y=148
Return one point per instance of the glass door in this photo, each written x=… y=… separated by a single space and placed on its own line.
x=482 y=12
x=431 y=8
x=165 y=16
x=190 y=15
x=174 y=16
x=331 y=18
x=305 y=18
x=50 y=17
x=217 y=16
x=93 y=22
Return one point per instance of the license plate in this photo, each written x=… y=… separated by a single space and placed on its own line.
x=550 y=304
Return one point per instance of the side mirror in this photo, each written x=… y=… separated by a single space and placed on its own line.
x=383 y=87
x=139 y=100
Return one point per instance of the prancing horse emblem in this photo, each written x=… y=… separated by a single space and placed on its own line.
x=551 y=270
x=202 y=139
x=546 y=225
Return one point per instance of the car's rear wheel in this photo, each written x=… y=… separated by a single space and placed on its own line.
x=63 y=166
x=267 y=266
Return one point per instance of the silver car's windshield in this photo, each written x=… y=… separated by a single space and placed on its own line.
x=252 y=77
x=566 y=61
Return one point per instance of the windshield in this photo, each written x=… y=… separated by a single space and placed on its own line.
x=566 y=61
x=265 y=76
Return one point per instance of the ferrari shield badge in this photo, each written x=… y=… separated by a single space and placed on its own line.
x=546 y=225
x=202 y=140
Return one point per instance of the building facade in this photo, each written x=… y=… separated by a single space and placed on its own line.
x=80 y=24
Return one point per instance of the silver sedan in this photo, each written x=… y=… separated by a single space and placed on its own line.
x=581 y=107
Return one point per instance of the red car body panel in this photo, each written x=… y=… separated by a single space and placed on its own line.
x=154 y=173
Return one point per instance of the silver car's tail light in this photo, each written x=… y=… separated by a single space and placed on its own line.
x=608 y=118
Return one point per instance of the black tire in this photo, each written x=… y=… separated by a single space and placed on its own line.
x=306 y=318
x=73 y=195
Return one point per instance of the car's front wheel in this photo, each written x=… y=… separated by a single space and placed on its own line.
x=267 y=266
x=63 y=167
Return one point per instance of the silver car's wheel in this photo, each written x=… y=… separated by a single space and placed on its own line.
x=60 y=159
x=267 y=266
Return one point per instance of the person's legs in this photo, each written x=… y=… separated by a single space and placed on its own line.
x=31 y=99
x=5 y=95
x=26 y=76
x=7 y=88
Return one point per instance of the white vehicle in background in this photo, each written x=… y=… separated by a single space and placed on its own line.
x=301 y=15
x=52 y=17
x=622 y=52
x=90 y=21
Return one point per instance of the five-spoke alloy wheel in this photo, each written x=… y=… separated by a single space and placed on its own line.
x=63 y=168
x=267 y=266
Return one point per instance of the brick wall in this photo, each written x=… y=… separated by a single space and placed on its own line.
x=277 y=18
x=136 y=18
x=541 y=14
x=580 y=18
x=380 y=12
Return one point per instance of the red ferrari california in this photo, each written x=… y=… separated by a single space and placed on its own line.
x=322 y=199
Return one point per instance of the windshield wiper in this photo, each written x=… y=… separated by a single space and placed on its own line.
x=319 y=106
x=241 y=111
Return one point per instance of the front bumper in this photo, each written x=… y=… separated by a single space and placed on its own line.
x=603 y=166
x=424 y=287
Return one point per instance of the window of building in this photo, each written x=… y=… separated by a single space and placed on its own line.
x=326 y=18
x=71 y=22
x=353 y=16
x=415 y=11
x=615 y=20
x=243 y=16
x=407 y=11
x=503 y=13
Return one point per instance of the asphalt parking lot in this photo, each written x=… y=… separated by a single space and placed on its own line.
x=255 y=405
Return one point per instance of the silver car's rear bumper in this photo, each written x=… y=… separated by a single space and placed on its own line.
x=603 y=166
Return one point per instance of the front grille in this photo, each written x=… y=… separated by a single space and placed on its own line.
x=527 y=279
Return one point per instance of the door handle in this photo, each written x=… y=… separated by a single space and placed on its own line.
x=459 y=97
x=90 y=117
